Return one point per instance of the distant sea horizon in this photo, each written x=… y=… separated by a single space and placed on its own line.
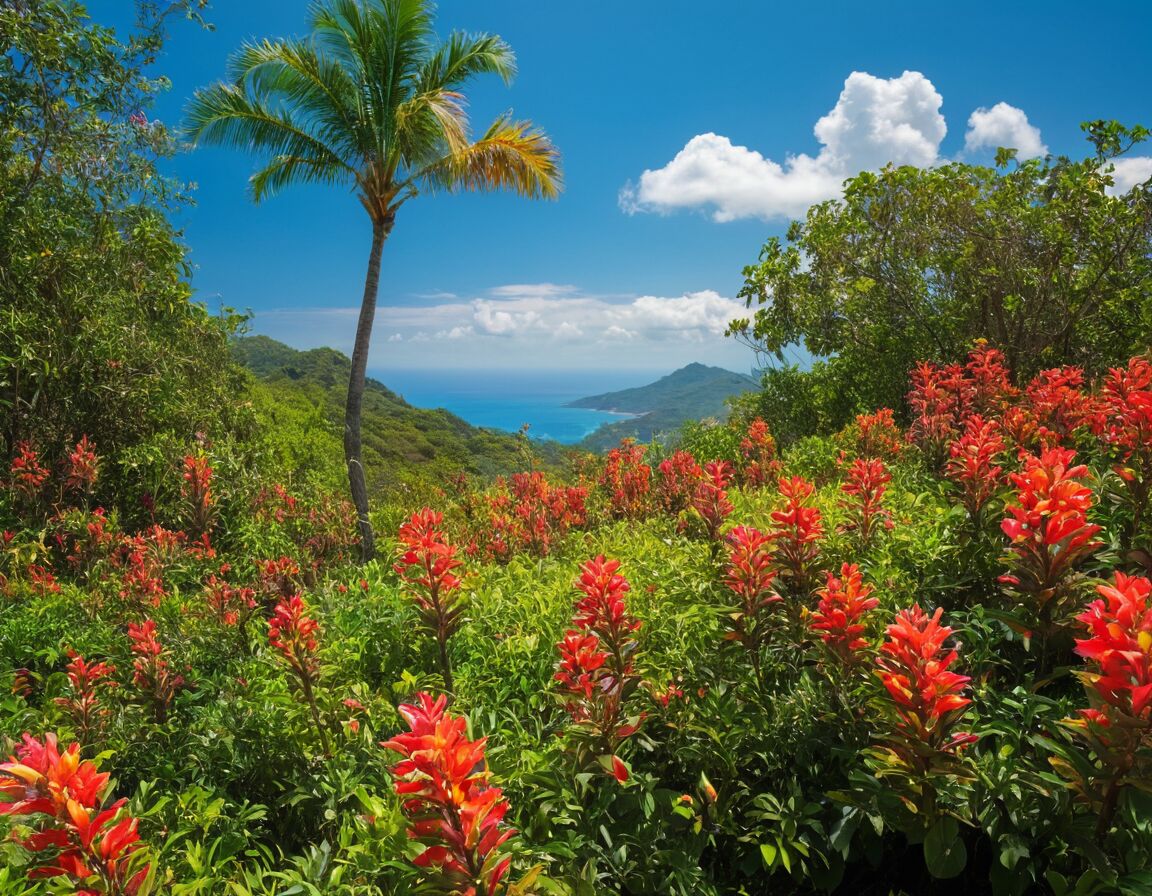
x=507 y=399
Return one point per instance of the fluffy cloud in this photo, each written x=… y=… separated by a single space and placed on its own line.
x=1004 y=125
x=875 y=121
x=1127 y=172
x=533 y=325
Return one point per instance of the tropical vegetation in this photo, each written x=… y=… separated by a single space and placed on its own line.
x=910 y=653
x=370 y=100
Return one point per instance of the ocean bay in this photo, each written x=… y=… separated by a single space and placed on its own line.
x=507 y=399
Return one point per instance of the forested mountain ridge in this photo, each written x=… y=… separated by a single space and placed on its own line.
x=400 y=440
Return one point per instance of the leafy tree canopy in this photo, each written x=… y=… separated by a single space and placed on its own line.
x=1041 y=257
x=98 y=335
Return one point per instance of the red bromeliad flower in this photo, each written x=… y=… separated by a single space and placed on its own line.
x=293 y=633
x=940 y=399
x=428 y=567
x=1048 y=528
x=151 y=672
x=678 y=475
x=1119 y=623
x=1059 y=403
x=867 y=482
x=79 y=839
x=230 y=605
x=1117 y=726
x=279 y=579
x=27 y=475
x=579 y=671
x=877 y=435
x=928 y=698
x=197 y=494
x=750 y=574
x=87 y=681
x=710 y=499
x=83 y=466
x=973 y=463
x=597 y=661
x=843 y=603
x=1125 y=426
x=798 y=532
x=456 y=813
x=627 y=480
x=758 y=449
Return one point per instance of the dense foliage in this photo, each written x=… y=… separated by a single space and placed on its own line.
x=895 y=660
x=1038 y=256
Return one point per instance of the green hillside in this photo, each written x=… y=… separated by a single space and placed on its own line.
x=690 y=393
x=401 y=442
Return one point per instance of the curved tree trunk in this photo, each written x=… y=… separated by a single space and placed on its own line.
x=355 y=401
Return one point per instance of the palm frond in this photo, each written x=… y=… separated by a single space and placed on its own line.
x=431 y=125
x=512 y=155
x=224 y=115
x=463 y=56
x=292 y=74
x=284 y=171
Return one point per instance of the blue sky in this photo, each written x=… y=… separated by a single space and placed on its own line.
x=690 y=133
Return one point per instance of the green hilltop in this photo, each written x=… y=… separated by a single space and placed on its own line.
x=693 y=392
x=401 y=442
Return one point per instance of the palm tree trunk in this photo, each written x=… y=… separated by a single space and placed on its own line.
x=352 y=409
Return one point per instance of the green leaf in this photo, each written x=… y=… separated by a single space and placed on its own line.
x=944 y=851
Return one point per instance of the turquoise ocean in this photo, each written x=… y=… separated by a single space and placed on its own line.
x=503 y=399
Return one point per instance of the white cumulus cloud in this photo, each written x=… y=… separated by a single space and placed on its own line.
x=1127 y=172
x=875 y=121
x=526 y=326
x=1007 y=126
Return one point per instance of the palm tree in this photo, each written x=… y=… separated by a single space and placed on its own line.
x=370 y=100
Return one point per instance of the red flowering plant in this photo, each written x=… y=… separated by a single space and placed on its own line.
x=1057 y=400
x=973 y=465
x=95 y=847
x=88 y=682
x=196 y=491
x=676 y=480
x=991 y=380
x=544 y=513
x=627 y=481
x=230 y=605
x=710 y=499
x=26 y=475
x=758 y=451
x=279 y=580
x=1117 y=725
x=428 y=569
x=152 y=673
x=940 y=398
x=797 y=533
x=597 y=668
x=1049 y=536
x=877 y=435
x=81 y=469
x=864 y=490
x=838 y=620
x=293 y=634
x=923 y=701
x=455 y=813
x=1125 y=427
x=750 y=574
x=83 y=539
